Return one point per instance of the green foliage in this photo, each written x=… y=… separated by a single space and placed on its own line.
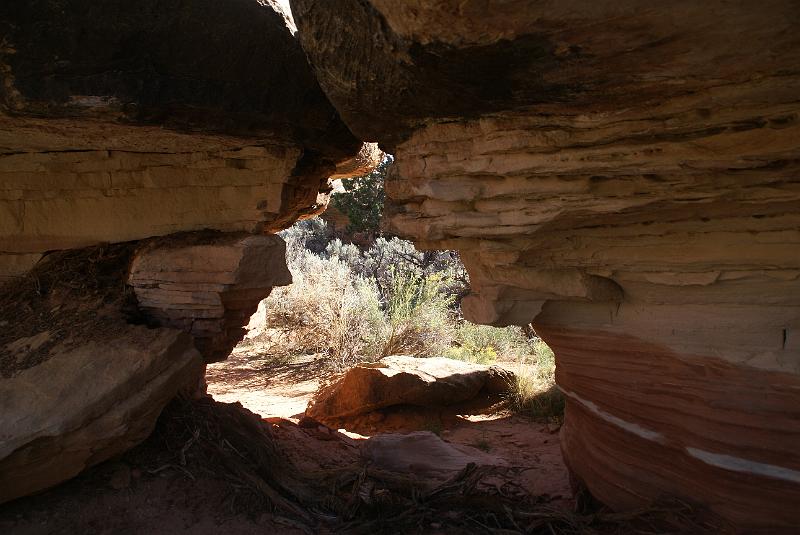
x=484 y=344
x=418 y=316
x=362 y=199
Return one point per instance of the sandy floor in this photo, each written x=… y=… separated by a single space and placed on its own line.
x=281 y=393
x=261 y=386
x=146 y=491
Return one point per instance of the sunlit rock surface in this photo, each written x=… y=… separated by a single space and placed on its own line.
x=208 y=285
x=625 y=176
x=402 y=380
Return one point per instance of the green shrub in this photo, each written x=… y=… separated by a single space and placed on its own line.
x=418 y=315
x=484 y=344
x=362 y=199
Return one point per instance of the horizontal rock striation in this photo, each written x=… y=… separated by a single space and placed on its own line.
x=187 y=132
x=97 y=341
x=208 y=285
x=632 y=189
x=124 y=121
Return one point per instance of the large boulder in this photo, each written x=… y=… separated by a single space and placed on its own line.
x=401 y=380
x=625 y=176
x=87 y=403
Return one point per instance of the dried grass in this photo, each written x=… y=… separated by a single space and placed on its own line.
x=77 y=294
x=534 y=391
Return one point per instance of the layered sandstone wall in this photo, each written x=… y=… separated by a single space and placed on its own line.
x=187 y=132
x=121 y=121
x=625 y=176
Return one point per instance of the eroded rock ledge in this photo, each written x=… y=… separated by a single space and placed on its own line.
x=202 y=125
x=126 y=120
x=89 y=364
x=624 y=175
x=630 y=185
x=208 y=285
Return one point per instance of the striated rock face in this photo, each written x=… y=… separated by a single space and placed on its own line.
x=202 y=125
x=126 y=120
x=625 y=176
x=209 y=285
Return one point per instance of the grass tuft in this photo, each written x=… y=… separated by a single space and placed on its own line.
x=534 y=391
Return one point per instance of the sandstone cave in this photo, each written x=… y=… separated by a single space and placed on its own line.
x=619 y=180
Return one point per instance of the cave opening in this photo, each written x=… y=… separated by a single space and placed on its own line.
x=366 y=359
x=624 y=178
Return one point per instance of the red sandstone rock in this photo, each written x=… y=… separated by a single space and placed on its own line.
x=208 y=285
x=625 y=177
x=400 y=380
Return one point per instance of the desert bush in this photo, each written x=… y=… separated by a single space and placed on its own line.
x=419 y=318
x=354 y=307
x=387 y=258
x=327 y=310
x=307 y=235
x=484 y=344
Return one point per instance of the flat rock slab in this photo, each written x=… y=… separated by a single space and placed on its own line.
x=401 y=380
x=422 y=454
x=87 y=404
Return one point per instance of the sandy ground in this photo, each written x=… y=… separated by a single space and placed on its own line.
x=145 y=491
x=262 y=386
x=281 y=393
